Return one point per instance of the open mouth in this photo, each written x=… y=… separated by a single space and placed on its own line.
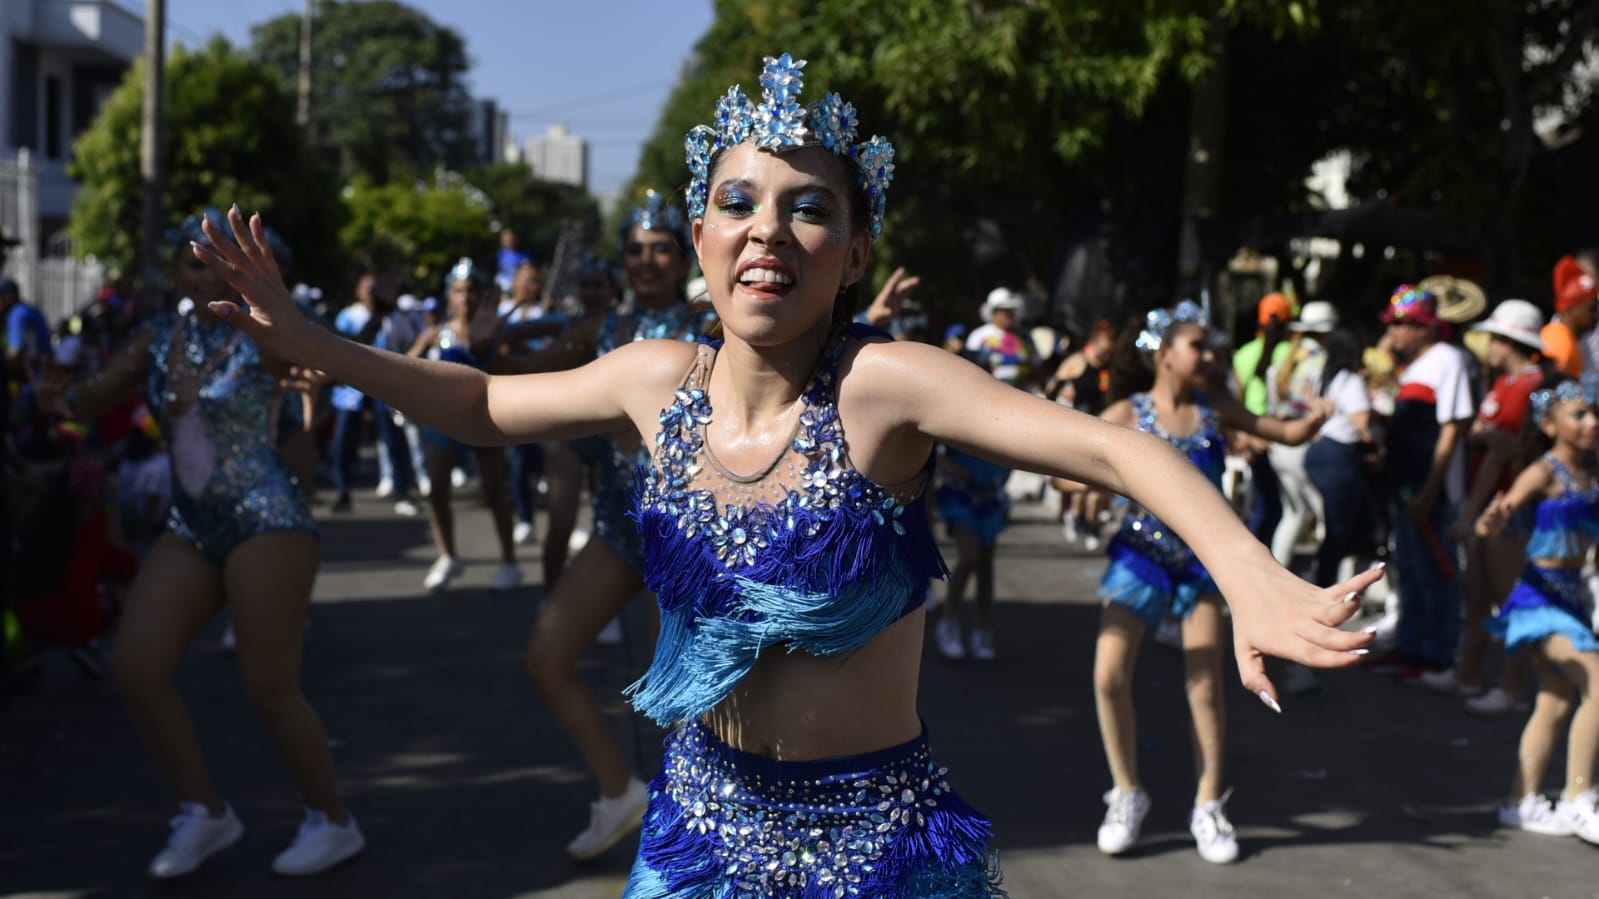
x=765 y=276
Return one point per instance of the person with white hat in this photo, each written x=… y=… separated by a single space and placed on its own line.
x=1515 y=349
x=1290 y=385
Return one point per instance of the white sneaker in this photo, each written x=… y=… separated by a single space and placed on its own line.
x=948 y=636
x=1582 y=814
x=1068 y=528
x=611 y=634
x=1214 y=833
x=506 y=577
x=444 y=570
x=385 y=489
x=1536 y=814
x=523 y=532
x=423 y=486
x=983 y=645
x=1124 y=818
x=1494 y=702
x=611 y=819
x=1091 y=542
x=196 y=836
x=1445 y=681
x=319 y=845
x=406 y=507
x=457 y=478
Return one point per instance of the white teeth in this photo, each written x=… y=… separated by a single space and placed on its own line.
x=764 y=275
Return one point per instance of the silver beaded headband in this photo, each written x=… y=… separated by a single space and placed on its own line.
x=1544 y=401
x=780 y=123
x=1158 y=323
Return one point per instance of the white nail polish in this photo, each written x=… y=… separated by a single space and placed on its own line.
x=1350 y=597
x=1270 y=703
x=1369 y=630
x=1359 y=652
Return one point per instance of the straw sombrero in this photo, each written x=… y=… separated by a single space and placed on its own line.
x=1459 y=300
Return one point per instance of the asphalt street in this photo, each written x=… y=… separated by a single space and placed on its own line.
x=466 y=787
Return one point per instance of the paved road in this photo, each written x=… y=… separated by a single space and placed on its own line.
x=466 y=788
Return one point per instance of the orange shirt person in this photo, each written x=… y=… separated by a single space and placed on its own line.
x=1576 y=310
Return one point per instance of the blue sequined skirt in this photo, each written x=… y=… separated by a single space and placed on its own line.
x=1544 y=602
x=725 y=824
x=1153 y=575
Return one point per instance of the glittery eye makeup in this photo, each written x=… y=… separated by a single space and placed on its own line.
x=733 y=201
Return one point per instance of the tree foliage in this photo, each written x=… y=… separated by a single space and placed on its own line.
x=417 y=229
x=388 y=92
x=536 y=209
x=230 y=137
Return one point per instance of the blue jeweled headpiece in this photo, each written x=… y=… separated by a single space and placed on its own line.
x=1585 y=390
x=780 y=123
x=463 y=270
x=657 y=214
x=1158 y=323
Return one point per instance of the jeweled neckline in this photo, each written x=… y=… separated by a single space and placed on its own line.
x=735 y=477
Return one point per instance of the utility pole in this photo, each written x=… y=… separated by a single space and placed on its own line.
x=303 y=115
x=1202 y=172
x=152 y=164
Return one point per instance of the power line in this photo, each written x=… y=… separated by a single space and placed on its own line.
x=608 y=97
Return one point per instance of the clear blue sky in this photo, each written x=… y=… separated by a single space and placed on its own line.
x=601 y=67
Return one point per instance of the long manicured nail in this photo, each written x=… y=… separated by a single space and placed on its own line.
x=1270 y=703
x=235 y=210
x=220 y=309
x=1377 y=566
x=1369 y=630
x=1359 y=652
x=1350 y=597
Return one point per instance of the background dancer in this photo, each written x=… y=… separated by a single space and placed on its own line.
x=1547 y=612
x=240 y=532
x=1154 y=574
x=791 y=578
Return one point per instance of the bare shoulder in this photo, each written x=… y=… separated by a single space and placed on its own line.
x=882 y=366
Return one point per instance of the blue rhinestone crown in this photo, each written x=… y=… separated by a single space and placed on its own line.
x=1158 y=323
x=780 y=123
x=657 y=214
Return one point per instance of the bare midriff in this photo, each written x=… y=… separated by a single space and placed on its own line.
x=795 y=707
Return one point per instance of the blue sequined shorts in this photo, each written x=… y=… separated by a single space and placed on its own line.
x=216 y=524
x=1545 y=602
x=726 y=823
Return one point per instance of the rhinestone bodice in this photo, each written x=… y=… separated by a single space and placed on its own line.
x=1568 y=522
x=807 y=552
x=1206 y=447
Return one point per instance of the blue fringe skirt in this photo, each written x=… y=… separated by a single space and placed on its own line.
x=1150 y=587
x=725 y=824
x=1545 y=601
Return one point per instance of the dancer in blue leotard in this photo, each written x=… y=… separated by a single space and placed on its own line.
x=781 y=522
x=239 y=532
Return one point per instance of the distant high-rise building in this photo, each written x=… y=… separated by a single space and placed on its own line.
x=490 y=130
x=559 y=155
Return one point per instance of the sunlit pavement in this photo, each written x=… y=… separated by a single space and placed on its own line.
x=466 y=788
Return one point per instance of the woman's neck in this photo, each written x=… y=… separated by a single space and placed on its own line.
x=759 y=382
x=1172 y=390
x=1569 y=455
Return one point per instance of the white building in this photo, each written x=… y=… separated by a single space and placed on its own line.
x=59 y=61
x=559 y=155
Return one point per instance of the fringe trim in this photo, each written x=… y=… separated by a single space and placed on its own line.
x=1148 y=589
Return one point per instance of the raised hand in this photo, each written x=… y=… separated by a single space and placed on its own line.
x=246 y=263
x=891 y=299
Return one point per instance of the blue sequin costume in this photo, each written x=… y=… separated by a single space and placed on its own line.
x=1550 y=599
x=809 y=556
x=229 y=484
x=976 y=502
x=617 y=458
x=1152 y=571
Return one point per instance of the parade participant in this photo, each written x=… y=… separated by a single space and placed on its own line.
x=1547 y=612
x=451 y=341
x=239 y=531
x=1082 y=381
x=1576 y=311
x=1154 y=574
x=783 y=521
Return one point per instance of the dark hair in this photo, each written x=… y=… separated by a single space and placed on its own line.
x=1344 y=353
x=1130 y=372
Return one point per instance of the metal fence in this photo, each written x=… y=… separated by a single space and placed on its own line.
x=49 y=271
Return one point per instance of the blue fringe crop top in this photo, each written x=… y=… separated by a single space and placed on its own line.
x=1568 y=522
x=808 y=554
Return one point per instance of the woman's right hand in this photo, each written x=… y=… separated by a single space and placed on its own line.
x=246 y=263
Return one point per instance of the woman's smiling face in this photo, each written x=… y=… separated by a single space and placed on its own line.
x=779 y=241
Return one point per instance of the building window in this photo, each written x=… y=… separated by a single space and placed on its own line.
x=52 y=117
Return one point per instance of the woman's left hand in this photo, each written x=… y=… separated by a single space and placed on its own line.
x=1277 y=614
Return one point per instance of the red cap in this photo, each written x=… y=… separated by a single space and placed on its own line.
x=1574 y=284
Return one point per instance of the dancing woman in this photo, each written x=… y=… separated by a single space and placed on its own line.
x=240 y=532
x=1547 y=611
x=783 y=525
x=1153 y=573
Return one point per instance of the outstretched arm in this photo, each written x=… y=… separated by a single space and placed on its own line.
x=1288 y=432
x=1529 y=485
x=463 y=402
x=1274 y=612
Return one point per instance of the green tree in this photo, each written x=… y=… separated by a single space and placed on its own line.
x=388 y=95
x=533 y=207
x=230 y=137
x=418 y=229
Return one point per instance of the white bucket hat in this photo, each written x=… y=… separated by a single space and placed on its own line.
x=1518 y=321
x=1003 y=298
x=1316 y=318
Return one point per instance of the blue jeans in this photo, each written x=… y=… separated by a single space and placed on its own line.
x=1266 y=498
x=1348 y=507
x=527 y=461
x=1430 y=598
x=347 y=433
